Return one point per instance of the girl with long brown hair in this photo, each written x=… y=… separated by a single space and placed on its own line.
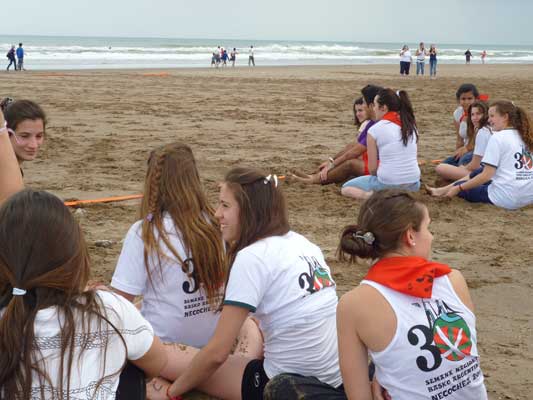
x=478 y=134
x=57 y=339
x=506 y=179
x=284 y=280
x=174 y=255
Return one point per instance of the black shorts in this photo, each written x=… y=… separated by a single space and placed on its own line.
x=254 y=381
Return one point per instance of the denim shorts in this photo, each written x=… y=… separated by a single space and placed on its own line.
x=370 y=183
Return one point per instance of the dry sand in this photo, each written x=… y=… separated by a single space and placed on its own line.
x=103 y=124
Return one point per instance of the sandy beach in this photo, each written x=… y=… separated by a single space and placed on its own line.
x=102 y=125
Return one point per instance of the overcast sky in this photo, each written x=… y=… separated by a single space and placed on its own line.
x=449 y=21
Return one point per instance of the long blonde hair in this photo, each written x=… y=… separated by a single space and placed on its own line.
x=172 y=185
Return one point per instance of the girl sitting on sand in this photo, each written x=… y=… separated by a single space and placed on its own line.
x=352 y=161
x=412 y=316
x=465 y=95
x=57 y=339
x=394 y=138
x=478 y=133
x=26 y=123
x=279 y=276
x=506 y=179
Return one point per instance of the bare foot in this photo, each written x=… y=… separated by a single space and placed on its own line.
x=156 y=389
x=436 y=192
x=298 y=176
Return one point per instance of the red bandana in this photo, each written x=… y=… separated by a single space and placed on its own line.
x=393 y=117
x=412 y=276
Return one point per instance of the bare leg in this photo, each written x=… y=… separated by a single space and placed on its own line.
x=299 y=176
x=224 y=384
x=250 y=341
x=451 y=172
x=341 y=173
x=355 y=193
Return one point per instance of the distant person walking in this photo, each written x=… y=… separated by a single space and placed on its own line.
x=11 y=57
x=468 y=55
x=20 y=57
x=421 y=54
x=405 y=60
x=432 y=61
x=483 y=56
x=233 y=56
x=251 y=60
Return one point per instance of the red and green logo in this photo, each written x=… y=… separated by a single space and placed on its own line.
x=451 y=335
x=322 y=278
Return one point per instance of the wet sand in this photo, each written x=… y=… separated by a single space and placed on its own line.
x=104 y=123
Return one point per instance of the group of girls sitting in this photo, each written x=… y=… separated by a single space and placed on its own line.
x=61 y=339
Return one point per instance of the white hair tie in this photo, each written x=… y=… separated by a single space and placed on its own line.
x=398 y=93
x=269 y=178
x=18 y=292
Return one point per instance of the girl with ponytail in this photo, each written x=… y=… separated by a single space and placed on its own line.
x=394 y=140
x=412 y=316
x=506 y=179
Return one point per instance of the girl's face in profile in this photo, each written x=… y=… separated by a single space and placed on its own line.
x=379 y=110
x=27 y=139
x=360 y=112
x=497 y=121
x=228 y=214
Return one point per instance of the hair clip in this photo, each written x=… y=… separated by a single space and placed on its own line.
x=398 y=93
x=368 y=237
x=149 y=217
x=269 y=178
x=18 y=292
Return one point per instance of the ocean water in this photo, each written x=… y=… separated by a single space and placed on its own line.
x=63 y=52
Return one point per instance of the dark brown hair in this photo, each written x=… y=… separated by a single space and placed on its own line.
x=262 y=208
x=358 y=102
x=173 y=186
x=21 y=110
x=484 y=121
x=401 y=104
x=44 y=253
x=518 y=119
x=387 y=215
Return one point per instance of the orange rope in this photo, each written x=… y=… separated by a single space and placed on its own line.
x=103 y=200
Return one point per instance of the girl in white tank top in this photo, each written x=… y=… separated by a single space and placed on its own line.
x=412 y=316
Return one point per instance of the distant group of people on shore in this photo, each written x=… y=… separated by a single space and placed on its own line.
x=220 y=57
x=16 y=58
x=406 y=59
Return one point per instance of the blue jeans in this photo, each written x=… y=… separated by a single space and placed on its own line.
x=465 y=159
x=433 y=67
x=371 y=183
x=478 y=194
x=420 y=67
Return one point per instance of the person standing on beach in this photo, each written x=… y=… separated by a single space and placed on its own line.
x=251 y=60
x=405 y=60
x=432 y=61
x=233 y=56
x=20 y=57
x=483 y=55
x=468 y=55
x=421 y=54
x=11 y=57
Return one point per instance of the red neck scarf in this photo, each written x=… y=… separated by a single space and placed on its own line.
x=393 y=117
x=412 y=276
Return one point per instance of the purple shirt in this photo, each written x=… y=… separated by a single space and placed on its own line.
x=362 y=136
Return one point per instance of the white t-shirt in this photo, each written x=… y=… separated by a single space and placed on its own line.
x=398 y=163
x=482 y=139
x=286 y=282
x=406 y=56
x=89 y=369
x=512 y=184
x=175 y=306
x=251 y=52
x=421 y=56
x=463 y=127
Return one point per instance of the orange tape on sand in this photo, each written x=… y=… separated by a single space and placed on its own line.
x=103 y=200
x=436 y=161
x=157 y=74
